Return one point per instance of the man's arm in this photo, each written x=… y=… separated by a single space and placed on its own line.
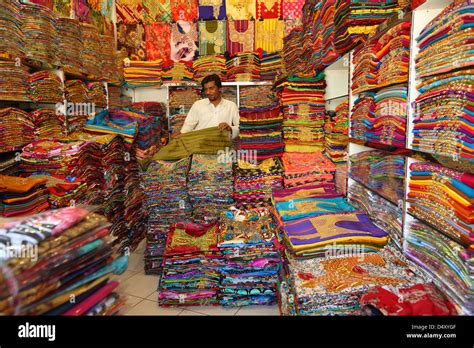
x=191 y=120
x=235 y=121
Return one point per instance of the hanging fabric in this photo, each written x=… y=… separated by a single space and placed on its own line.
x=184 y=38
x=156 y=11
x=184 y=10
x=129 y=11
x=212 y=37
x=241 y=9
x=157 y=43
x=267 y=9
x=291 y=24
x=212 y=9
x=292 y=9
x=269 y=35
x=240 y=36
x=131 y=38
x=62 y=8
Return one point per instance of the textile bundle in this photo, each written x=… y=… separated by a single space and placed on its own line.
x=167 y=201
x=271 y=66
x=158 y=112
x=251 y=261
x=70 y=44
x=180 y=102
x=208 y=65
x=16 y=129
x=381 y=172
x=335 y=132
x=90 y=58
x=11 y=35
x=142 y=74
x=49 y=124
x=243 y=66
x=307 y=168
x=254 y=182
x=75 y=247
x=46 y=87
x=303 y=107
x=97 y=94
x=210 y=186
x=443 y=116
x=13 y=81
x=116 y=99
x=178 y=72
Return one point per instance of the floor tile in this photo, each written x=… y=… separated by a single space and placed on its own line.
x=153 y=297
x=185 y=312
x=136 y=262
x=259 y=310
x=141 y=247
x=132 y=301
x=147 y=307
x=213 y=310
x=124 y=276
x=139 y=285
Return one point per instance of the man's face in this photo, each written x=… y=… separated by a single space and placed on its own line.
x=212 y=91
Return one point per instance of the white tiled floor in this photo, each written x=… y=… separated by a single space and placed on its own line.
x=142 y=298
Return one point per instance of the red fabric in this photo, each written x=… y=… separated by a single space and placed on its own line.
x=263 y=12
x=420 y=299
x=157 y=41
x=184 y=10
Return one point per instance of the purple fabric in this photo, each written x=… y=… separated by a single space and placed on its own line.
x=207 y=12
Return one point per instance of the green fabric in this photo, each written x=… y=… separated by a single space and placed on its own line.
x=204 y=141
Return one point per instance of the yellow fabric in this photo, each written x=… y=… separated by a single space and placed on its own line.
x=269 y=35
x=241 y=9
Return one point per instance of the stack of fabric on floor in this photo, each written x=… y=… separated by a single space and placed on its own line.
x=181 y=101
x=251 y=261
x=243 y=66
x=45 y=87
x=307 y=168
x=167 y=201
x=106 y=122
x=210 y=186
x=383 y=213
x=260 y=122
x=442 y=197
x=207 y=65
x=336 y=129
x=443 y=123
x=191 y=268
x=97 y=94
x=39 y=33
x=13 y=81
x=142 y=74
x=64 y=191
x=447 y=261
x=334 y=285
x=72 y=257
x=354 y=20
x=380 y=171
x=11 y=36
x=70 y=44
x=17 y=129
x=158 y=112
x=178 y=72
x=22 y=196
x=49 y=124
x=254 y=182
x=303 y=106
x=271 y=66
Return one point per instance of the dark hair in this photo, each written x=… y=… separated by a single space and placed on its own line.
x=210 y=78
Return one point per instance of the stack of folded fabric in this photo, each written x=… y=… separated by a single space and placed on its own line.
x=72 y=257
x=49 y=124
x=271 y=66
x=118 y=78
x=76 y=91
x=448 y=262
x=442 y=197
x=9 y=164
x=292 y=51
x=254 y=182
x=45 y=87
x=160 y=120
x=90 y=54
x=384 y=214
x=243 y=66
x=207 y=65
x=107 y=57
x=229 y=93
x=178 y=72
x=79 y=159
x=354 y=20
x=167 y=201
x=325 y=25
x=191 y=267
x=116 y=99
x=334 y=285
x=70 y=44
x=380 y=171
x=11 y=36
x=251 y=260
x=63 y=191
x=363 y=117
x=307 y=168
x=210 y=186
x=17 y=129
x=391 y=116
x=13 y=81
x=97 y=94
x=39 y=33
x=22 y=196
x=180 y=102
x=442 y=121
x=303 y=106
x=364 y=76
x=106 y=122
x=336 y=129
x=142 y=74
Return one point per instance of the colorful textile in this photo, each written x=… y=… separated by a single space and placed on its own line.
x=22 y=196
x=158 y=42
x=292 y=9
x=208 y=65
x=16 y=129
x=243 y=66
x=143 y=74
x=306 y=168
x=131 y=38
x=269 y=35
x=240 y=36
x=212 y=9
x=184 y=10
x=184 y=40
x=336 y=128
x=241 y=9
x=70 y=44
x=212 y=37
x=267 y=9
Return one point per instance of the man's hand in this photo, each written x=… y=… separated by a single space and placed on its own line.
x=224 y=126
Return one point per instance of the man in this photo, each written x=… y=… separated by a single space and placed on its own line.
x=214 y=111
